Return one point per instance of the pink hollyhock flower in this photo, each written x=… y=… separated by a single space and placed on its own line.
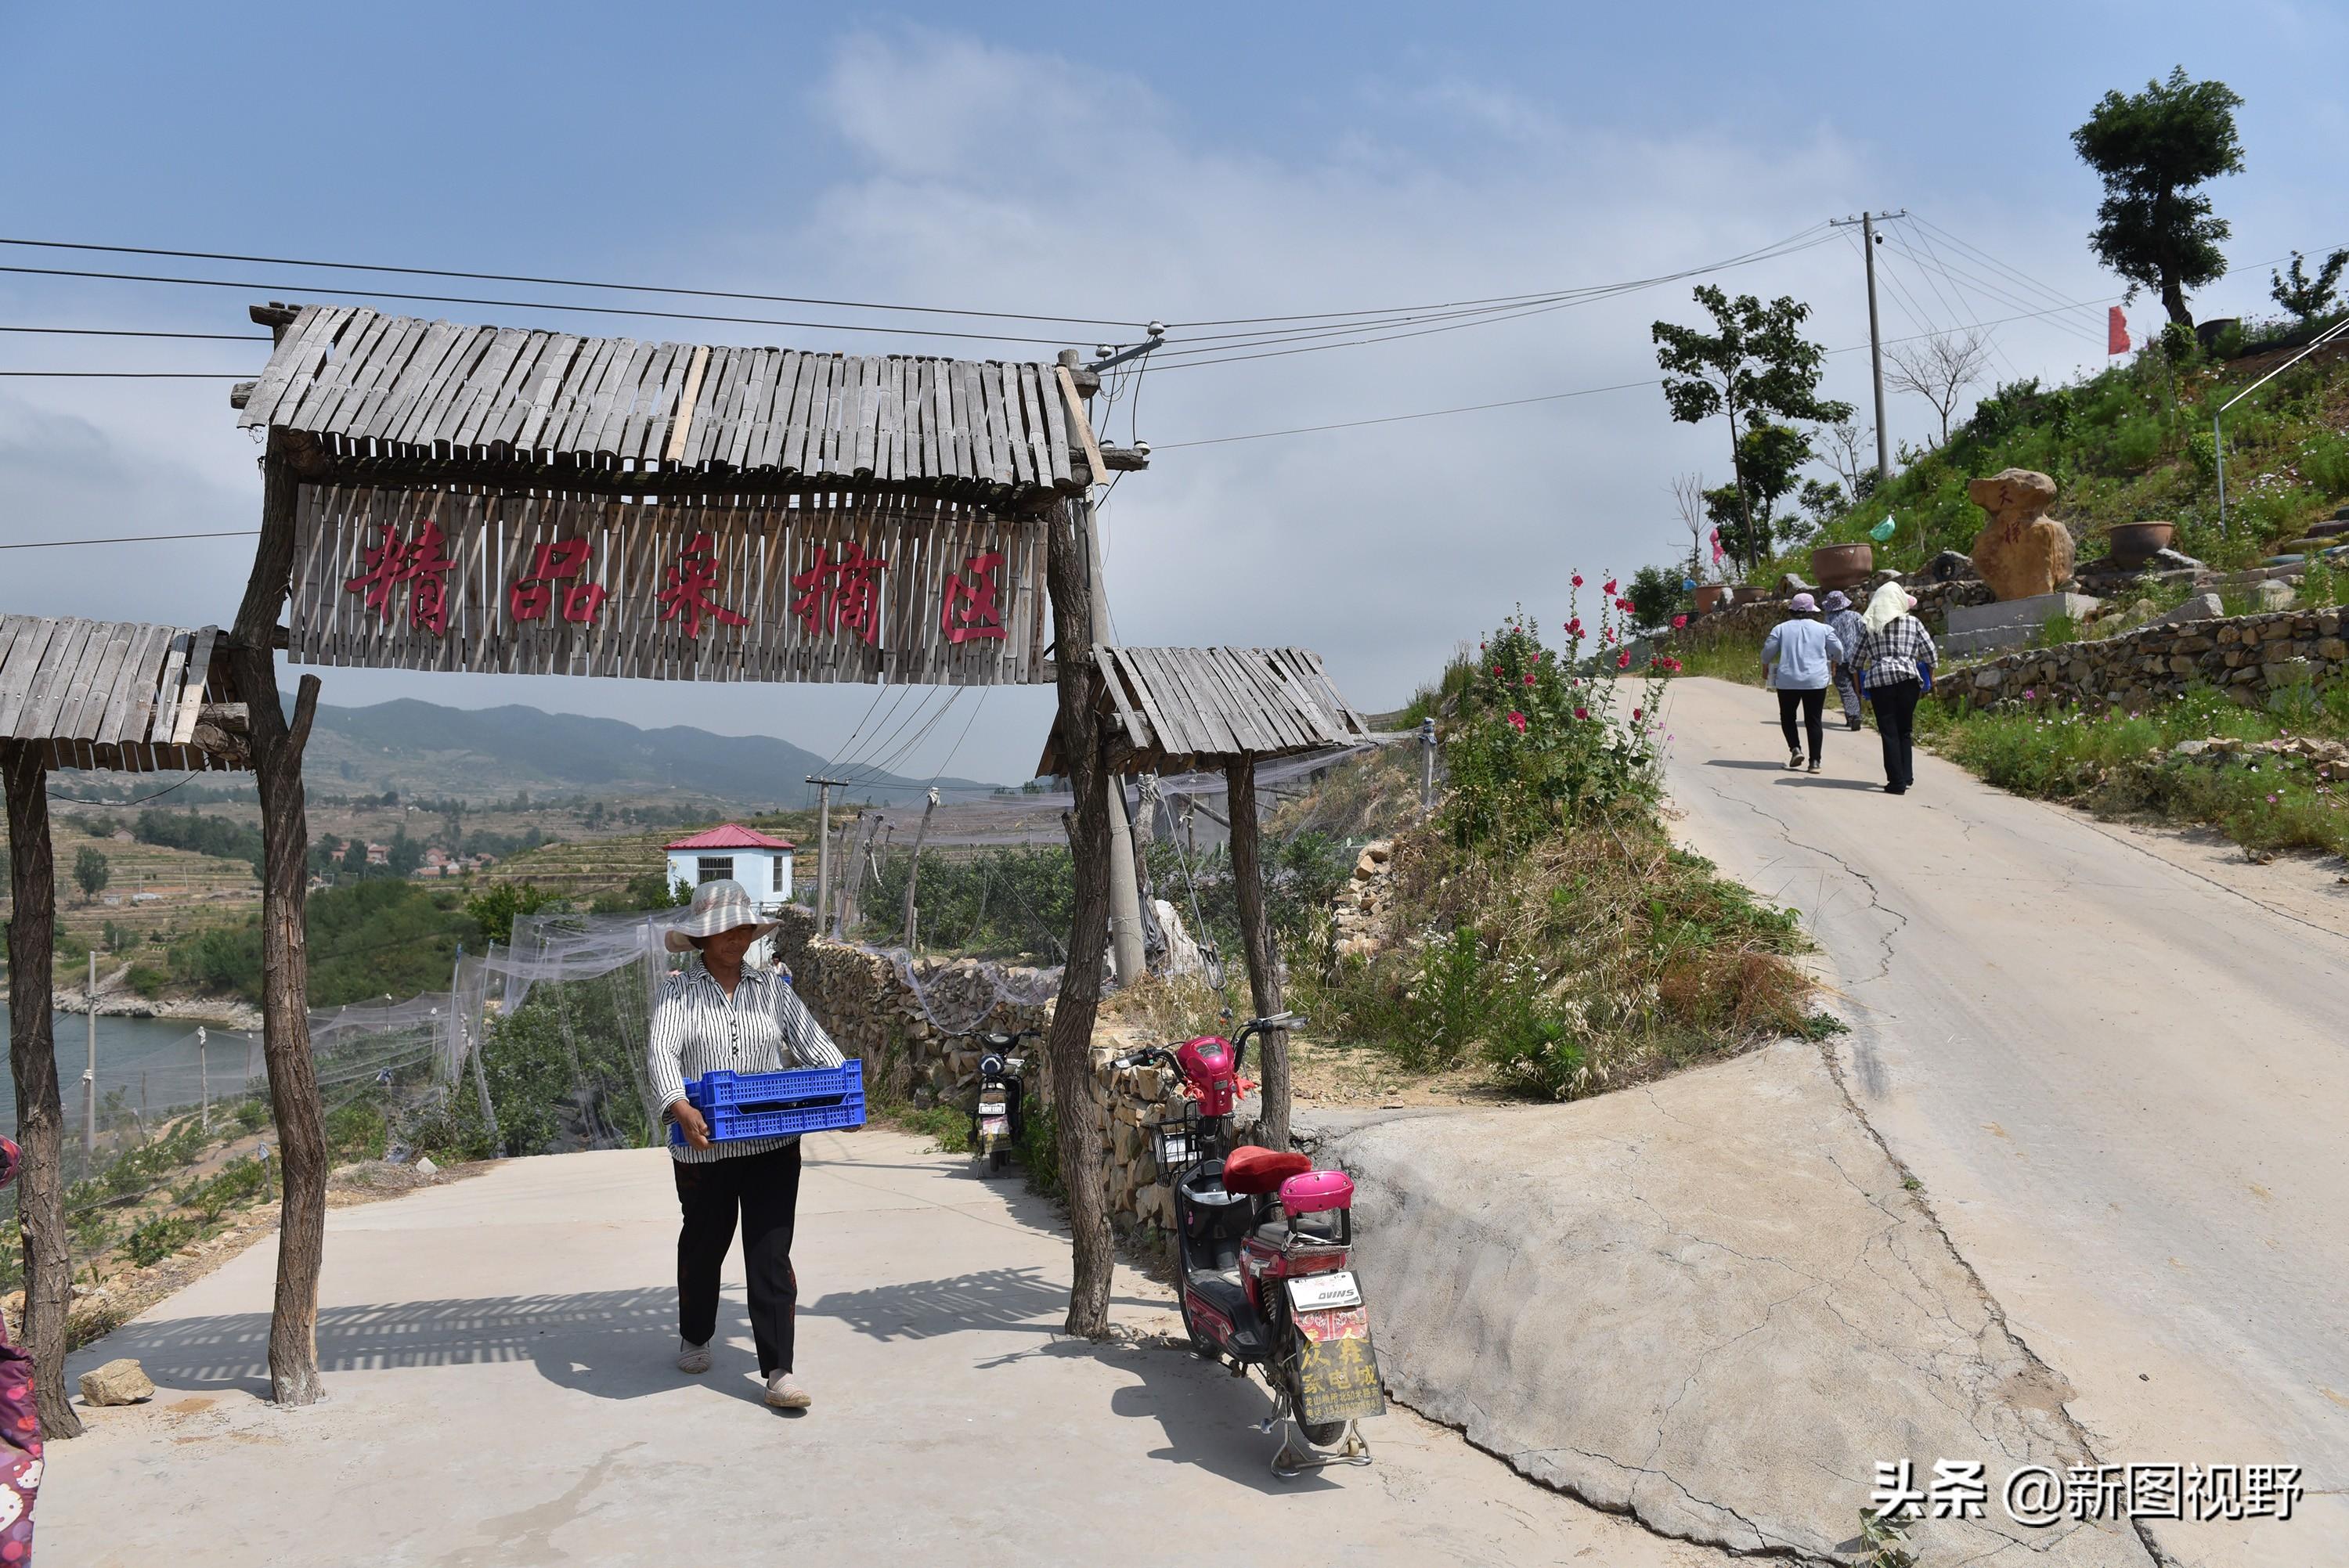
x=1496 y=672
x=1625 y=605
x=1635 y=715
x=1582 y=713
x=1529 y=680
x=1623 y=660
x=1578 y=580
x=1519 y=720
x=1573 y=627
x=1609 y=587
x=1678 y=622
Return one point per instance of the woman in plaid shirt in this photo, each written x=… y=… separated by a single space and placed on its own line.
x=1895 y=657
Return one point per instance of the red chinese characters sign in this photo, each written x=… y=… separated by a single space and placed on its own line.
x=865 y=590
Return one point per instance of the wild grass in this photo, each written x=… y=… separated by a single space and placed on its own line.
x=2123 y=764
x=1591 y=960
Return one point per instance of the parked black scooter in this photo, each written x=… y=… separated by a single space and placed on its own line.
x=1000 y=1118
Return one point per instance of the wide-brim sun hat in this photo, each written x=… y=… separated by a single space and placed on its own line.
x=1837 y=599
x=1803 y=604
x=719 y=905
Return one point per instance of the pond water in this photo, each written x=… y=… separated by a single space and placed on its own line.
x=153 y=1062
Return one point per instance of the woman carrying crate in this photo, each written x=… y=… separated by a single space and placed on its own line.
x=718 y=1015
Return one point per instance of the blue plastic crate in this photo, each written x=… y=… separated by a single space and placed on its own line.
x=775 y=1105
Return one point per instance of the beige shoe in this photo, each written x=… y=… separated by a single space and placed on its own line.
x=692 y=1358
x=785 y=1395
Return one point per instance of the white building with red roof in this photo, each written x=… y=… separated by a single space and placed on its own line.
x=731 y=851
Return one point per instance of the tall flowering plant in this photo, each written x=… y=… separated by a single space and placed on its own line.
x=1543 y=732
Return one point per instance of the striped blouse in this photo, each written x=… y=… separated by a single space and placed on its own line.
x=696 y=1028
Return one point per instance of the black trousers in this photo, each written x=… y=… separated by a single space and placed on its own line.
x=764 y=1189
x=1895 y=726
x=1813 y=703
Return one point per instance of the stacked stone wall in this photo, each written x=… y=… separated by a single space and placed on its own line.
x=862 y=997
x=2245 y=655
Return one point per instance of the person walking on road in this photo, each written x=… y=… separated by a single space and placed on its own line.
x=720 y=1015
x=1795 y=658
x=1847 y=625
x=1895 y=657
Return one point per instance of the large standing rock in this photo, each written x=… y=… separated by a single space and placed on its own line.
x=2023 y=552
x=119 y=1382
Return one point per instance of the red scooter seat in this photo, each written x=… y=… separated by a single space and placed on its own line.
x=1257 y=1172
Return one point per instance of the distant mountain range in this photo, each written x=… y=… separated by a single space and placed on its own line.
x=483 y=753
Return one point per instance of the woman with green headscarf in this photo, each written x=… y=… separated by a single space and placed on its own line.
x=1896 y=658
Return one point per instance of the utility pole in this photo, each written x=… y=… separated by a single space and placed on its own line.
x=1126 y=952
x=204 y=1082
x=89 y=1075
x=823 y=845
x=1426 y=766
x=914 y=870
x=1867 y=222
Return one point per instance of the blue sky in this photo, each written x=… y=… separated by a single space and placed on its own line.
x=1192 y=164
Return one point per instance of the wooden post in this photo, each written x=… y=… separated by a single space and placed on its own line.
x=853 y=876
x=33 y=1060
x=914 y=869
x=285 y=961
x=1256 y=936
x=1125 y=938
x=1069 y=1048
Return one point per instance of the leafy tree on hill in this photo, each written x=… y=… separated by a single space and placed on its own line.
x=2309 y=298
x=494 y=910
x=2153 y=149
x=1756 y=370
x=92 y=873
x=1655 y=593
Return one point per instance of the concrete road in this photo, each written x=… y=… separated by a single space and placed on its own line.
x=2121 y=1076
x=498 y=1355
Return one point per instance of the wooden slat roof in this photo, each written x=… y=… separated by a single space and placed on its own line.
x=1192 y=708
x=398 y=389
x=117 y=693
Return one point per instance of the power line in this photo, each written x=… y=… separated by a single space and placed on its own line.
x=558 y=282
x=135 y=374
x=127 y=539
x=249 y=287
x=134 y=332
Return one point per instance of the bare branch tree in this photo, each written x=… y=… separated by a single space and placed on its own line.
x=1939 y=369
x=1846 y=449
x=1688 y=500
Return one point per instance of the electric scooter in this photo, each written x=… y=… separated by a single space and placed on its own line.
x=1000 y=1118
x=1265 y=1246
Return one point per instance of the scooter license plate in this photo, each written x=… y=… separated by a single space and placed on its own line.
x=991 y=1108
x=1323 y=1292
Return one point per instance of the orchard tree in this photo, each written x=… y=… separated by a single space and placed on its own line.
x=92 y=871
x=2153 y=150
x=1756 y=370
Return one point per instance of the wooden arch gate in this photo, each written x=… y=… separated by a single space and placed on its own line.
x=441 y=497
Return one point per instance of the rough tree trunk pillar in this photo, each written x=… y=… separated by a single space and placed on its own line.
x=33 y=1059
x=1076 y=1101
x=284 y=961
x=1256 y=936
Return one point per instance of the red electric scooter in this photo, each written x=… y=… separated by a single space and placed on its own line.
x=1264 y=1246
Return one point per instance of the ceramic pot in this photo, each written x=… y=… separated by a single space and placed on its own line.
x=2134 y=543
x=1708 y=598
x=1842 y=566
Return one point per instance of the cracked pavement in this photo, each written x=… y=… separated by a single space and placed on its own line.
x=2119 y=1071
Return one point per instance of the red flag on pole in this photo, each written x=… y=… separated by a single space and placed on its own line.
x=2116 y=337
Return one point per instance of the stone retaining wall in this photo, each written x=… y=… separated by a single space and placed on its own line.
x=2247 y=655
x=863 y=999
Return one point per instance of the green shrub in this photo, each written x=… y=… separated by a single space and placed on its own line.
x=252 y=1113
x=148 y=980
x=156 y=1239
x=358 y=1131
x=2325 y=463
